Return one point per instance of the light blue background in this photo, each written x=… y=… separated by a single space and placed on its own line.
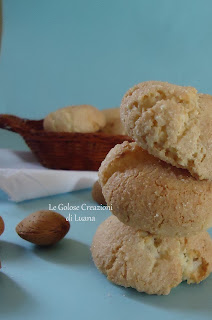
x=57 y=53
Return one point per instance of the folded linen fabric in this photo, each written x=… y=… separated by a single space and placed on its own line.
x=22 y=177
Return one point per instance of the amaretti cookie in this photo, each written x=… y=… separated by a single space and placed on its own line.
x=113 y=122
x=149 y=194
x=173 y=123
x=97 y=194
x=132 y=258
x=81 y=118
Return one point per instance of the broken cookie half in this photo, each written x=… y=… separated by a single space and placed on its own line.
x=171 y=122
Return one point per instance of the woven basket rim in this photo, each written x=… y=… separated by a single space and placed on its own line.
x=25 y=129
x=99 y=134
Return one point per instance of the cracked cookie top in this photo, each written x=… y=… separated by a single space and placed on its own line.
x=169 y=121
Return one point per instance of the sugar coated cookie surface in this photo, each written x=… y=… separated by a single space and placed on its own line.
x=82 y=118
x=151 y=195
x=149 y=264
x=173 y=123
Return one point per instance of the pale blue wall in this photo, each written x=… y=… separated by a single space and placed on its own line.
x=56 y=53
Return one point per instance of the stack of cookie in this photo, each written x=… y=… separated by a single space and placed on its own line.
x=160 y=190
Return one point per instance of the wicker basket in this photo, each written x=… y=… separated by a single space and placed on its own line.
x=61 y=150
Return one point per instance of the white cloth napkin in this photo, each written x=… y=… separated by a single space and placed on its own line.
x=23 y=178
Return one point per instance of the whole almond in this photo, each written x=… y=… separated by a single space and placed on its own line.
x=1 y=225
x=43 y=227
